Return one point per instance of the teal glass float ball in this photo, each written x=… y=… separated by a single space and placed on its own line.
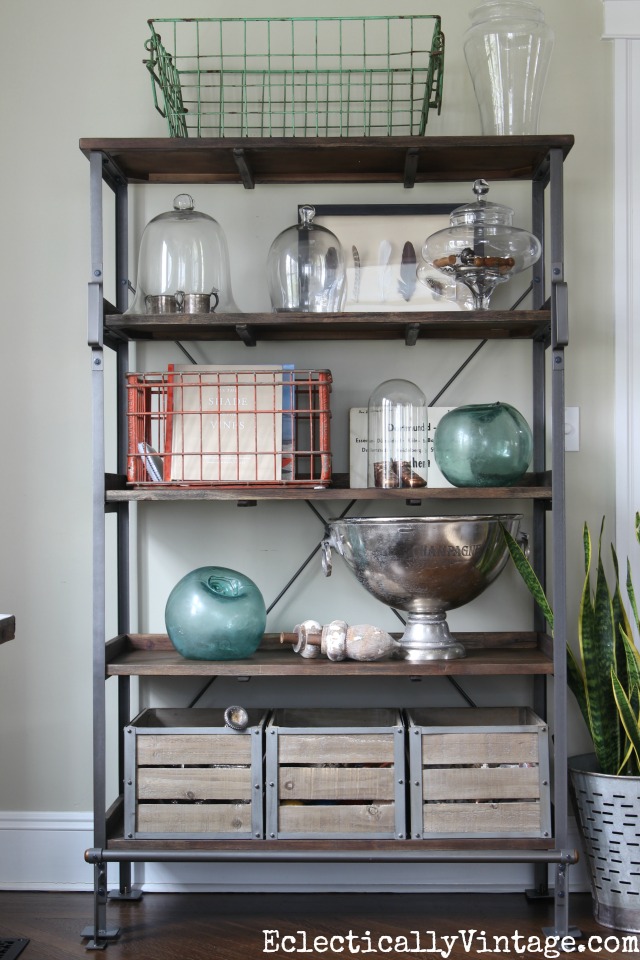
x=483 y=445
x=214 y=613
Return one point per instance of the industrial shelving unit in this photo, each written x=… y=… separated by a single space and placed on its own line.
x=408 y=161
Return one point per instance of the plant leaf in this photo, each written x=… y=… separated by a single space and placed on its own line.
x=621 y=626
x=529 y=576
x=586 y=542
x=576 y=683
x=595 y=631
x=631 y=595
x=632 y=664
x=629 y=719
x=611 y=710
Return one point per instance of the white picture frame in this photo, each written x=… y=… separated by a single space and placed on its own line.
x=377 y=281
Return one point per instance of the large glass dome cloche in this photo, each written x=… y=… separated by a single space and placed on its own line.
x=183 y=264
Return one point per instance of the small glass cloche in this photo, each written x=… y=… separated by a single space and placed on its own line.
x=306 y=268
x=481 y=248
x=397 y=435
x=183 y=264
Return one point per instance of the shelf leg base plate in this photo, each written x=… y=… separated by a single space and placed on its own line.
x=100 y=941
x=574 y=932
x=537 y=893
x=122 y=895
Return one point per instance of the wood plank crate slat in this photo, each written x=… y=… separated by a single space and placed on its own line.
x=474 y=818
x=478 y=773
x=194 y=783
x=337 y=748
x=478 y=783
x=203 y=779
x=451 y=748
x=336 y=783
x=192 y=749
x=207 y=818
x=356 y=819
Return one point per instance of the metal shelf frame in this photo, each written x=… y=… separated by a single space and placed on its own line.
x=119 y=163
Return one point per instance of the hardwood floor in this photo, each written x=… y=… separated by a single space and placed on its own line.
x=232 y=926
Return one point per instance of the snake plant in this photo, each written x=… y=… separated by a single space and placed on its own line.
x=605 y=675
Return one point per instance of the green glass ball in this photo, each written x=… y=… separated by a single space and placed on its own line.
x=214 y=613
x=483 y=445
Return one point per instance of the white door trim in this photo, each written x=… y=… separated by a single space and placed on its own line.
x=622 y=26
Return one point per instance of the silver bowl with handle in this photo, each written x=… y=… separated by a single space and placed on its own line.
x=423 y=566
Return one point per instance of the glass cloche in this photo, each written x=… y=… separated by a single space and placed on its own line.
x=306 y=268
x=397 y=435
x=481 y=248
x=183 y=264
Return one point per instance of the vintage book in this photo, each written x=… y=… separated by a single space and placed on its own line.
x=227 y=423
x=358 y=447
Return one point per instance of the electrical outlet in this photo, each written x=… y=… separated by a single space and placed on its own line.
x=571 y=429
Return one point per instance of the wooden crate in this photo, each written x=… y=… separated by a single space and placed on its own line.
x=187 y=775
x=335 y=773
x=478 y=773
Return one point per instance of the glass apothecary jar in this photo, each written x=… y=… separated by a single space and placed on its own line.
x=508 y=48
x=481 y=248
x=306 y=268
x=397 y=435
x=183 y=264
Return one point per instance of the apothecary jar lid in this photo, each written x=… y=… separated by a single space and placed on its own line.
x=183 y=263
x=506 y=10
x=481 y=210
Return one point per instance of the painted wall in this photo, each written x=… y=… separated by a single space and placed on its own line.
x=81 y=75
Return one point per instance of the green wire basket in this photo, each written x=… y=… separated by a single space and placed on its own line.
x=301 y=76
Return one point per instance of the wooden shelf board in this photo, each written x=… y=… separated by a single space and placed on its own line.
x=403 y=848
x=538 y=488
x=496 y=654
x=410 y=325
x=325 y=159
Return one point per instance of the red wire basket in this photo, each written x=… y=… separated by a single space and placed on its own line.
x=201 y=426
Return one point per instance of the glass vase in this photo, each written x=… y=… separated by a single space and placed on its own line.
x=483 y=445
x=508 y=48
x=215 y=613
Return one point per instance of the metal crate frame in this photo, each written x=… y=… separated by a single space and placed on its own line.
x=299 y=76
x=273 y=731
x=140 y=727
x=529 y=724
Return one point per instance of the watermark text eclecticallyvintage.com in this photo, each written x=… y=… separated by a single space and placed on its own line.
x=428 y=943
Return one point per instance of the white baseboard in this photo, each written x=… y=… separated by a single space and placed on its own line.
x=45 y=851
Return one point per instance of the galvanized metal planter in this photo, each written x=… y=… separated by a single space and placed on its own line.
x=608 y=812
